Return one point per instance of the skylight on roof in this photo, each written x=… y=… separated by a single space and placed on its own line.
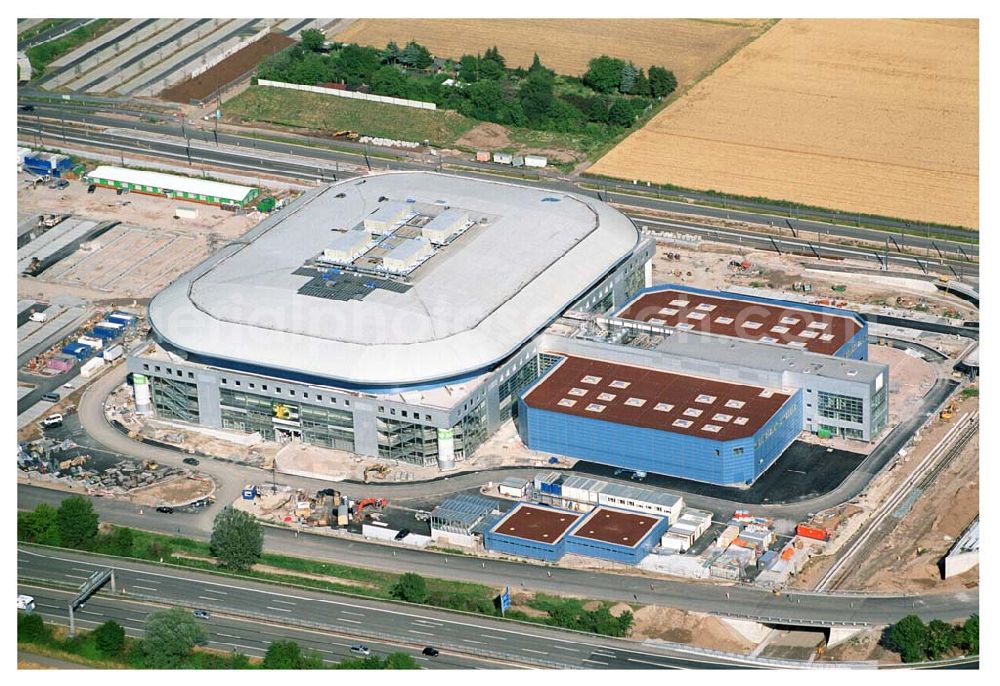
x=669 y=311
x=705 y=307
x=607 y=397
x=779 y=329
x=820 y=326
x=826 y=337
x=698 y=316
x=705 y=399
x=578 y=392
x=594 y=407
x=685 y=326
x=741 y=421
x=620 y=384
x=682 y=423
x=712 y=428
x=724 y=320
x=808 y=334
x=768 y=339
x=797 y=344
x=766 y=393
x=790 y=321
x=635 y=402
x=735 y=404
x=592 y=380
x=680 y=303
x=692 y=412
x=663 y=407
x=566 y=402
x=751 y=325
x=719 y=417
x=657 y=320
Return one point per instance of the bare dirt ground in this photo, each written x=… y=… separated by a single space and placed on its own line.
x=944 y=510
x=688 y=47
x=486 y=136
x=874 y=116
x=864 y=646
x=692 y=628
x=174 y=491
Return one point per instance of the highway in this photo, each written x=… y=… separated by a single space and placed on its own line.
x=247 y=615
x=803 y=609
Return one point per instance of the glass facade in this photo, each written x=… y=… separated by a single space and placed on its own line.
x=634 y=281
x=175 y=399
x=317 y=425
x=471 y=432
x=880 y=410
x=510 y=388
x=844 y=408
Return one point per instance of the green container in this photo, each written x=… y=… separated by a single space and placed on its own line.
x=839 y=288
x=824 y=433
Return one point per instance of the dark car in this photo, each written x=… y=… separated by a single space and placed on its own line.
x=431 y=652
x=201 y=614
x=51 y=397
x=91 y=188
x=62 y=183
x=403 y=533
x=119 y=191
x=191 y=461
x=165 y=509
x=27 y=108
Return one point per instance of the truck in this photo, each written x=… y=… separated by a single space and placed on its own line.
x=813 y=532
x=26 y=603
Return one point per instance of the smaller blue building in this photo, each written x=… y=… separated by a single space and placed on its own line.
x=616 y=535
x=531 y=531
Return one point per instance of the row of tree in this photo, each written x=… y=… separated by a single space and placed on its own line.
x=612 y=93
x=919 y=642
x=171 y=636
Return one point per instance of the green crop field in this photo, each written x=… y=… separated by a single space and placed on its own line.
x=327 y=114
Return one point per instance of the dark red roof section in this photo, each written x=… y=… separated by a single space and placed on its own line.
x=541 y=524
x=727 y=315
x=613 y=526
x=625 y=394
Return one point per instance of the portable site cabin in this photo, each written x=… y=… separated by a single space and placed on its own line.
x=172 y=186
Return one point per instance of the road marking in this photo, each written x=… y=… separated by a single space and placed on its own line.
x=495 y=638
x=647 y=662
x=537 y=652
x=145 y=588
x=352 y=621
x=356 y=614
x=420 y=657
x=285 y=602
x=148 y=581
x=205 y=597
x=226 y=635
x=210 y=590
x=424 y=622
x=596 y=662
x=88 y=612
x=562 y=647
x=278 y=609
x=422 y=633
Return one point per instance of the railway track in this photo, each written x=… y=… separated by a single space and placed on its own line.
x=888 y=513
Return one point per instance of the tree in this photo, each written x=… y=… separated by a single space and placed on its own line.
x=389 y=81
x=641 y=84
x=537 y=97
x=908 y=637
x=417 y=56
x=494 y=55
x=968 y=637
x=400 y=661
x=941 y=637
x=170 y=636
x=486 y=100
x=662 y=82
x=31 y=629
x=237 y=539
x=312 y=40
x=620 y=113
x=468 y=69
x=288 y=655
x=40 y=526
x=110 y=638
x=626 y=82
x=604 y=74
x=411 y=587
x=77 y=521
x=490 y=70
x=356 y=64
x=391 y=53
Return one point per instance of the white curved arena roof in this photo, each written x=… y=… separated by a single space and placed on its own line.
x=530 y=255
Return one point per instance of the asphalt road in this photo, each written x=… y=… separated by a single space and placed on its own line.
x=247 y=616
x=804 y=609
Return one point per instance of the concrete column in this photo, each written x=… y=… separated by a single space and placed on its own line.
x=839 y=634
x=755 y=632
x=365 y=431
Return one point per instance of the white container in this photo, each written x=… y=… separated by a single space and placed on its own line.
x=94 y=342
x=113 y=353
x=535 y=161
x=185 y=213
x=91 y=367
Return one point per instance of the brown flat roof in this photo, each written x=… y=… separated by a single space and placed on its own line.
x=649 y=398
x=614 y=526
x=541 y=524
x=729 y=315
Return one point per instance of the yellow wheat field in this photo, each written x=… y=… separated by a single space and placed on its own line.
x=687 y=47
x=874 y=116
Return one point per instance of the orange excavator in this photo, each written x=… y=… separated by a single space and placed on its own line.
x=359 y=507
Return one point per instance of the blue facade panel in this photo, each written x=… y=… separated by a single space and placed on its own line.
x=734 y=462
x=617 y=553
x=857 y=347
x=522 y=547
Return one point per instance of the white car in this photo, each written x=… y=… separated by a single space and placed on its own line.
x=52 y=421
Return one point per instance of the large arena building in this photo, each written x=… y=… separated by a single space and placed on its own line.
x=403 y=315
